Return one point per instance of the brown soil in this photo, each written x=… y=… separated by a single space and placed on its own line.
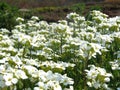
x=110 y=8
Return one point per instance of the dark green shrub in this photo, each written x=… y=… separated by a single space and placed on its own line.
x=78 y=8
x=8 y=16
x=96 y=7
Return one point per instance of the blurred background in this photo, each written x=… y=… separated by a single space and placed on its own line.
x=52 y=10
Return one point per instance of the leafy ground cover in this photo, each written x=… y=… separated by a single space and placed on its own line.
x=72 y=54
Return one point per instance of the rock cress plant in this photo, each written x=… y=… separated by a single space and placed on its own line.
x=73 y=54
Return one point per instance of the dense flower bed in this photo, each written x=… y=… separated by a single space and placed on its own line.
x=73 y=54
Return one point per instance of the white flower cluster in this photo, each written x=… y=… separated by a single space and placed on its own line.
x=14 y=71
x=59 y=65
x=97 y=77
x=115 y=65
x=23 y=59
x=37 y=52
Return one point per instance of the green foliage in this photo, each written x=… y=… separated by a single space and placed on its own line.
x=26 y=14
x=96 y=7
x=46 y=9
x=8 y=16
x=79 y=8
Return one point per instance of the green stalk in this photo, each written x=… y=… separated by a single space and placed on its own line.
x=61 y=44
x=30 y=53
x=24 y=51
x=84 y=75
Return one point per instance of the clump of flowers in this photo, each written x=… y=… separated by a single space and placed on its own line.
x=115 y=64
x=15 y=72
x=97 y=77
x=54 y=56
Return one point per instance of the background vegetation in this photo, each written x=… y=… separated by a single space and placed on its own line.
x=8 y=15
x=45 y=10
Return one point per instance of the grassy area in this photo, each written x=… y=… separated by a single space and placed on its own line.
x=55 y=13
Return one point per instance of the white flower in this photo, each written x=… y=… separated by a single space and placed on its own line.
x=92 y=74
x=67 y=81
x=101 y=71
x=57 y=86
x=115 y=65
x=31 y=70
x=89 y=84
x=40 y=84
x=118 y=88
x=14 y=80
x=34 y=18
x=20 y=19
x=96 y=84
x=9 y=79
x=17 y=60
x=20 y=74
x=37 y=88
x=107 y=79
x=60 y=65
x=42 y=75
x=72 y=15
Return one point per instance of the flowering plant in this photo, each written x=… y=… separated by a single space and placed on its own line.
x=57 y=56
